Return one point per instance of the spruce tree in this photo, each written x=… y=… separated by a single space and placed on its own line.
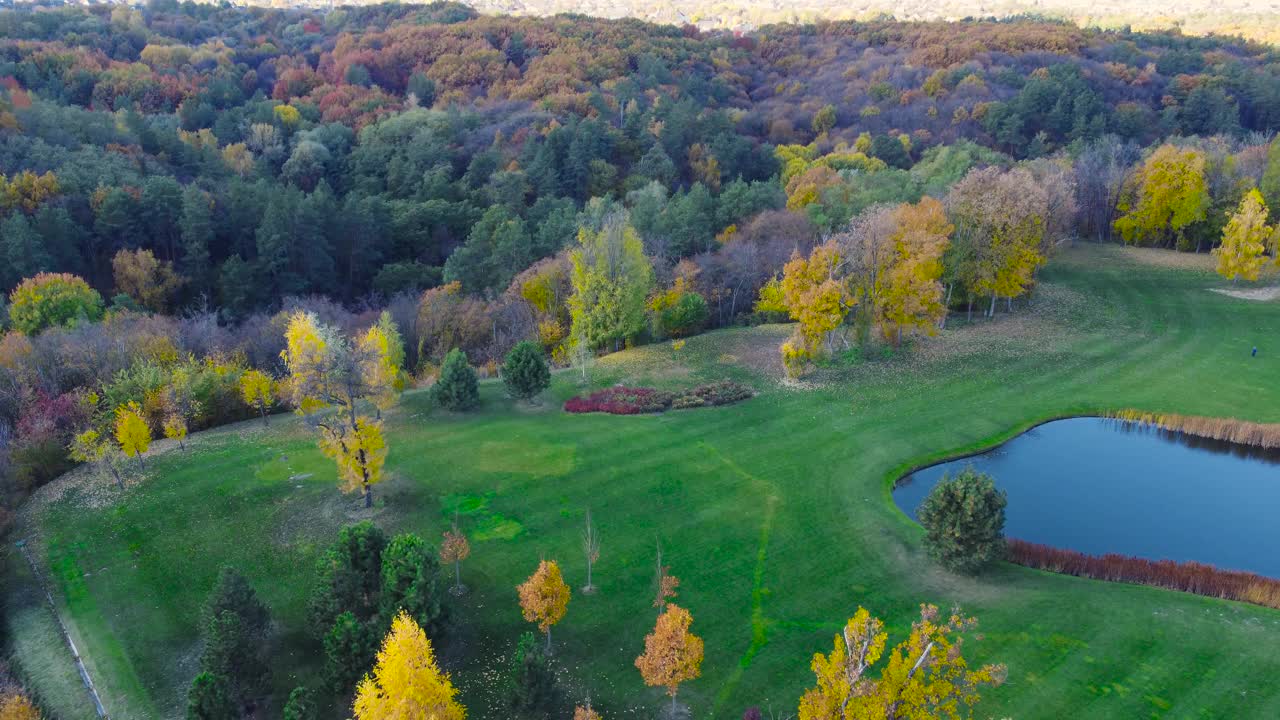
x=525 y=371
x=456 y=389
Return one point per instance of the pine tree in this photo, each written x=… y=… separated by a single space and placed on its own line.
x=457 y=388
x=410 y=583
x=525 y=371
x=533 y=691
x=196 y=227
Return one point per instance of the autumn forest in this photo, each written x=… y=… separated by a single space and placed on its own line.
x=401 y=361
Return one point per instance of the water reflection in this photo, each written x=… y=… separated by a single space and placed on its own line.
x=1098 y=486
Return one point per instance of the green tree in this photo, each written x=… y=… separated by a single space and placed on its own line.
x=209 y=700
x=196 y=228
x=525 y=371
x=23 y=249
x=410 y=583
x=349 y=649
x=824 y=120
x=611 y=278
x=301 y=705
x=50 y=299
x=456 y=389
x=1270 y=185
x=963 y=518
x=533 y=692
x=348 y=577
x=235 y=626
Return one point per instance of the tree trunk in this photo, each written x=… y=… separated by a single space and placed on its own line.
x=368 y=495
x=265 y=421
x=457 y=573
x=588 y=573
x=970 y=318
x=141 y=463
x=1009 y=303
x=548 y=641
x=119 y=480
x=991 y=311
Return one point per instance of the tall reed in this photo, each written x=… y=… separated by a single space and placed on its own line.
x=1242 y=432
x=1191 y=577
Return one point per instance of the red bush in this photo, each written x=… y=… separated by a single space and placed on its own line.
x=1192 y=577
x=621 y=401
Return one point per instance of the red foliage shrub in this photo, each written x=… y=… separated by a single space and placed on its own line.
x=621 y=401
x=1191 y=577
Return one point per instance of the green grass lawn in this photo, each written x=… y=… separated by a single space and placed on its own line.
x=775 y=514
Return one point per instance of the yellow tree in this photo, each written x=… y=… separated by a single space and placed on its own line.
x=544 y=597
x=912 y=292
x=1169 y=193
x=132 y=431
x=328 y=380
x=381 y=357
x=359 y=450
x=256 y=389
x=816 y=299
x=1244 y=240
x=454 y=549
x=16 y=706
x=925 y=678
x=406 y=683
x=175 y=428
x=91 y=447
x=672 y=654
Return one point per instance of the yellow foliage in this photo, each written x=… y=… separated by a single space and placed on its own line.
x=1244 y=239
x=672 y=654
x=1170 y=194
x=132 y=431
x=16 y=706
x=256 y=390
x=406 y=683
x=544 y=597
x=287 y=115
x=359 y=450
x=926 y=676
x=175 y=428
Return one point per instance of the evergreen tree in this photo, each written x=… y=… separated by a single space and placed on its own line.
x=525 y=371
x=348 y=652
x=301 y=705
x=196 y=227
x=456 y=389
x=24 y=250
x=534 y=693
x=348 y=577
x=963 y=517
x=410 y=575
x=209 y=699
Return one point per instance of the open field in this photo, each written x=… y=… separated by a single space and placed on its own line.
x=775 y=514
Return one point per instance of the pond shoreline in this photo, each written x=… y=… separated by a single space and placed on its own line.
x=1196 y=577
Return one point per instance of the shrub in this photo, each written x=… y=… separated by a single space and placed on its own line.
x=525 y=371
x=964 y=519
x=456 y=389
x=725 y=392
x=621 y=401
x=50 y=299
x=684 y=317
x=1191 y=577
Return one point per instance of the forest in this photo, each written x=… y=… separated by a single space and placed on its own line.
x=198 y=200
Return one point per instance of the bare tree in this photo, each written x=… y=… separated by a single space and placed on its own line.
x=590 y=548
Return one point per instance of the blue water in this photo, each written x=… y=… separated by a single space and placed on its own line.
x=1100 y=486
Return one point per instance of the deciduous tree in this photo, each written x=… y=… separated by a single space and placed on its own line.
x=149 y=281
x=175 y=428
x=926 y=677
x=1245 y=239
x=611 y=278
x=50 y=299
x=406 y=683
x=591 y=549
x=132 y=432
x=454 y=549
x=258 y=392
x=1167 y=196
x=91 y=447
x=544 y=597
x=672 y=654
x=15 y=706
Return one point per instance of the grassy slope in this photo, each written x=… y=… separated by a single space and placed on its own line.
x=775 y=514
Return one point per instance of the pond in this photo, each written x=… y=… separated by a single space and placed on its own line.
x=1099 y=486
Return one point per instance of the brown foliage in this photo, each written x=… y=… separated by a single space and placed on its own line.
x=1240 y=432
x=1191 y=577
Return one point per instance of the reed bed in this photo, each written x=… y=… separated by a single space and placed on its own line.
x=1242 y=432
x=1191 y=577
